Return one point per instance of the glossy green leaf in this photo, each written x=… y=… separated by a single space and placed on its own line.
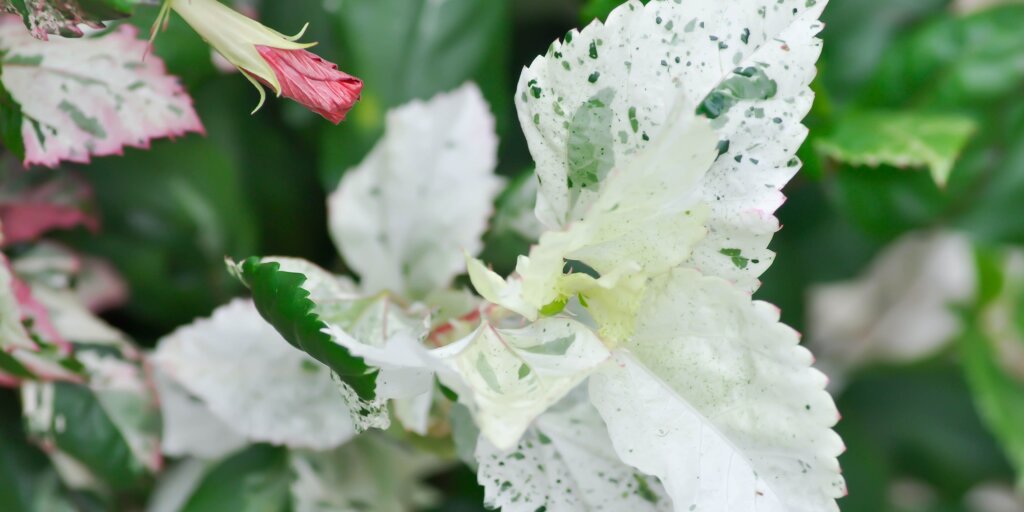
x=953 y=63
x=900 y=139
x=950 y=66
x=21 y=464
x=11 y=119
x=253 y=480
x=282 y=301
x=999 y=397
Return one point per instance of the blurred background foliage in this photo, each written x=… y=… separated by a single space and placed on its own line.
x=256 y=185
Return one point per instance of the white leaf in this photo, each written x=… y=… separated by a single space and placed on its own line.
x=564 y=462
x=511 y=376
x=595 y=100
x=189 y=427
x=424 y=193
x=322 y=285
x=642 y=224
x=176 y=485
x=90 y=97
x=899 y=310
x=721 y=392
x=254 y=381
x=12 y=333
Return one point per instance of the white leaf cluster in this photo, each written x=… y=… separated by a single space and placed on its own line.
x=662 y=140
x=624 y=365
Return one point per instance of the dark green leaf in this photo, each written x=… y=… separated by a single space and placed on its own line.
x=256 y=479
x=11 y=120
x=282 y=301
x=858 y=34
x=998 y=396
x=21 y=464
x=900 y=139
x=170 y=216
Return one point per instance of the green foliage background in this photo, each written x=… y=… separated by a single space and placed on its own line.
x=255 y=185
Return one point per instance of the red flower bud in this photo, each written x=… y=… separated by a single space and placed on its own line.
x=315 y=83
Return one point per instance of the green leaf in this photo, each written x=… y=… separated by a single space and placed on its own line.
x=953 y=62
x=998 y=396
x=170 y=215
x=256 y=479
x=80 y=426
x=858 y=35
x=514 y=227
x=21 y=464
x=282 y=301
x=414 y=49
x=959 y=66
x=901 y=139
x=11 y=120
x=599 y=9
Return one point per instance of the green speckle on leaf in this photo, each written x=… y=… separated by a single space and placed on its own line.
x=87 y=124
x=23 y=60
x=524 y=371
x=750 y=83
x=557 y=347
x=737 y=257
x=590 y=155
x=487 y=372
x=643 y=489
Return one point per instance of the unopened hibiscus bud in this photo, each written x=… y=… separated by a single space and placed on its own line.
x=267 y=57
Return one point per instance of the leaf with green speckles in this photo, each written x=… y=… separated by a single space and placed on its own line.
x=567 y=447
x=692 y=393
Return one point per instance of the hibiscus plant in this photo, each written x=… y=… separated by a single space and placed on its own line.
x=588 y=335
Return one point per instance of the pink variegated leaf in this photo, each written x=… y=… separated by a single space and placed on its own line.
x=33 y=202
x=63 y=17
x=90 y=97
